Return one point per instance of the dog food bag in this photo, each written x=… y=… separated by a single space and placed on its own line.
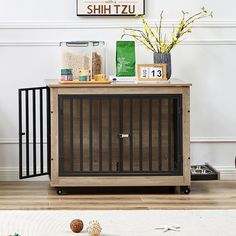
x=125 y=58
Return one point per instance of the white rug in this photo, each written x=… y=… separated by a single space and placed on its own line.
x=120 y=223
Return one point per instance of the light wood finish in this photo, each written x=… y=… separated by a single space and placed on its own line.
x=120 y=181
x=169 y=83
x=54 y=133
x=170 y=87
x=186 y=135
x=85 y=82
x=120 y=90
x=40 y=196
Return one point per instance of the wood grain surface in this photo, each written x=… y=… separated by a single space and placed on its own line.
x=40 y=196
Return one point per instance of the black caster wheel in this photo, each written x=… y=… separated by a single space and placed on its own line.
x=185 y=190
x=59 y=191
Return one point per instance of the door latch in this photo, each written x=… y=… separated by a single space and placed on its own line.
x=124 y=135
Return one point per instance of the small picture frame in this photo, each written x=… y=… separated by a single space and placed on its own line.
x=152 y=72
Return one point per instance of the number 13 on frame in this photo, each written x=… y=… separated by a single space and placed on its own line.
x=152 y=72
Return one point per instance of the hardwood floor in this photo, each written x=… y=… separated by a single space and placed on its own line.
x=39 y=196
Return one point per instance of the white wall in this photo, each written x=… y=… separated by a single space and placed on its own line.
x=30 y=31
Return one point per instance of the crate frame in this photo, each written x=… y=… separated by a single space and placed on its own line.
x=116 y=89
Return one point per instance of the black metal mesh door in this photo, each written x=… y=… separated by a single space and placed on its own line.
x=34 y=132
x=120 y=135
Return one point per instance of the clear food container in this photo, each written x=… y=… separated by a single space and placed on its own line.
x=85 y=56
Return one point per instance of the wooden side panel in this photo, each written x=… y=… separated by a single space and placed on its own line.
x=54 y=135
x=186 y=136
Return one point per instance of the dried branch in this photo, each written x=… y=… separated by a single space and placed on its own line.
x=155 y=42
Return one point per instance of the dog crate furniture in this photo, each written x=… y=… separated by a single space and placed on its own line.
x=116 y=134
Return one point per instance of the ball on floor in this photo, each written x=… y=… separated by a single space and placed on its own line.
x=76 y=225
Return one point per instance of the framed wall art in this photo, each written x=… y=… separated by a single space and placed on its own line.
x=110 y=8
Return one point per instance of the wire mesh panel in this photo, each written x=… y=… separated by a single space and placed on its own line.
x=120 y=135
x=34 y=132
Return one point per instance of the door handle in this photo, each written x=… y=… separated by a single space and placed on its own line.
x=124 y=135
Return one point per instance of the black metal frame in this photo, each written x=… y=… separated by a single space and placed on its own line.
x=178 y=136
x=27 y=171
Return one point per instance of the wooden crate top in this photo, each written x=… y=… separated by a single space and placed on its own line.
x=169 y=83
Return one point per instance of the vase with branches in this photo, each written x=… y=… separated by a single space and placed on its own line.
x=158 y=42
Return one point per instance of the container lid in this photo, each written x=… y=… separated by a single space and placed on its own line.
x=66 y=71
x=82 y=43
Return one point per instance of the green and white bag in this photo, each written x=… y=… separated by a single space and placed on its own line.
x=125 y=58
